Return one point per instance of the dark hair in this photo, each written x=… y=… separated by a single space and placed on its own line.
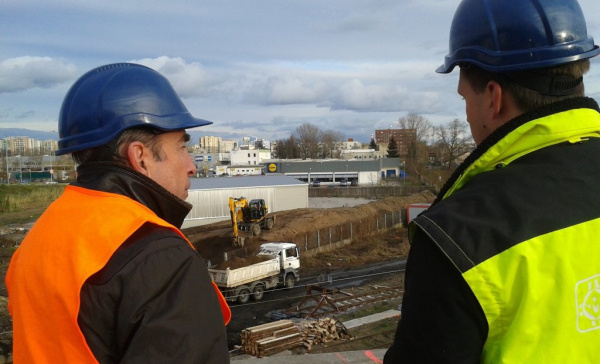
x=526 y=98
x=115 y=150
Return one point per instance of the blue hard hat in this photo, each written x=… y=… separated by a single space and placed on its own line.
x=110 y=99
x=517 y=35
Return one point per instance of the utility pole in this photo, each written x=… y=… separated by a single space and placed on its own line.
x=7 y=175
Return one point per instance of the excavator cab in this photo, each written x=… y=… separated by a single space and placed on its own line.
x=249 y=216
x=258 y=209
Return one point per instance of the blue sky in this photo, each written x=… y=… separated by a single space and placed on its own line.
x=258 y=68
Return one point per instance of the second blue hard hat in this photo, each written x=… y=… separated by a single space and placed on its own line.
x=110 y=99
x=517 y=35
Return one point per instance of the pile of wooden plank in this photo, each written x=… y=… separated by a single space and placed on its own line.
x=322 y=331
x=271 y=338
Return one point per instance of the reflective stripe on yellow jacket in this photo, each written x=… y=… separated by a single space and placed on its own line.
x=71 y=241
x=521 y=224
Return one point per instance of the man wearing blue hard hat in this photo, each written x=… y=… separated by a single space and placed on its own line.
x=105 y=275
x=504 y=266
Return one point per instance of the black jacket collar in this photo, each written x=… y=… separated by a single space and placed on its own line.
x=116 y=178
x=504 y=130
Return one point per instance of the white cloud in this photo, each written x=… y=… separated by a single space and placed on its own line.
x=188 y=79
x=362 y=87
x=259 y=65
x=23 y=73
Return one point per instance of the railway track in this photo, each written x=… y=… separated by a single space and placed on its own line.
x=322 y=301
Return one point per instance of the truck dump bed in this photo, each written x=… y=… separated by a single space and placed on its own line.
x=236 y=277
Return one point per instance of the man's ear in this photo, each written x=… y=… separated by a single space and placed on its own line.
x=137 y=155
x=496 y=99
x=502 y=105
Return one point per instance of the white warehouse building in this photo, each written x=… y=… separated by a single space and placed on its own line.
x=210 y=196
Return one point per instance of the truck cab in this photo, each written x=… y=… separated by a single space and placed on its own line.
x=289 y=260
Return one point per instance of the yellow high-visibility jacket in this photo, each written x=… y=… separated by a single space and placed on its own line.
x=520 y=221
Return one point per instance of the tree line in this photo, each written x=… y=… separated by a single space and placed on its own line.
x=439 y=145
x=308 y=142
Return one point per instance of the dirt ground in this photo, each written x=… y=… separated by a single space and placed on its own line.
x=213 y=240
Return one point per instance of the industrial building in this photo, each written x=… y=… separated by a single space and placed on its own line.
x=336 y=171
x=210 y=196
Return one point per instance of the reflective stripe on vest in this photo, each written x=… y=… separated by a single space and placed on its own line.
x=534 y=268
x=514 y=288
x=71 y=241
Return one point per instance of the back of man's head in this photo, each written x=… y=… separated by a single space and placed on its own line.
x=537 y=49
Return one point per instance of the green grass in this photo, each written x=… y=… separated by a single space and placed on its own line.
x=22 y=203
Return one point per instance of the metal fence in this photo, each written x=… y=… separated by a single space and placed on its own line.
x=369 y=192
x=329 y=237
x=335 y=236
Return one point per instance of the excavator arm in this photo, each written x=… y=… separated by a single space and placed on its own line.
x=235 y=211
x=248 y=216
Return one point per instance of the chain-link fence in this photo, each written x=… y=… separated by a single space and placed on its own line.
x=329 y=237
x=369 y=192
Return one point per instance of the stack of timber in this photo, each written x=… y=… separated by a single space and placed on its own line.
x=322 y=331
x=271 y=338
x=274 y=337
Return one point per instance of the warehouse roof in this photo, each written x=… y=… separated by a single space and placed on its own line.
x=241 y=182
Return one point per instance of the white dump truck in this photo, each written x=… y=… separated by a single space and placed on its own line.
x=281 y=268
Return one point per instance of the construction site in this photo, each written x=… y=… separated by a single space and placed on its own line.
x=328 y=239
x=325 y=240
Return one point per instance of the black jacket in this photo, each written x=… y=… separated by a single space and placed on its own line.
x=442 y=320
x=154 y=301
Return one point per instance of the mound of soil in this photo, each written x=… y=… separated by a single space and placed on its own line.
x=238 y=262
x=213 y=240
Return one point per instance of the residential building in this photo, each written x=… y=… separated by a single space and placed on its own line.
x=244 y=157
x=403 y=137
x=228 y=145
x=210 y=144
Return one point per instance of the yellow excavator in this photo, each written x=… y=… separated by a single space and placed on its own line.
x=249 y=216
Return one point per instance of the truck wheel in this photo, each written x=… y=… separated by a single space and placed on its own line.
x=290 y=280
x=256 y=229
x=243 y=295
x=269 y=224
x=259 y=292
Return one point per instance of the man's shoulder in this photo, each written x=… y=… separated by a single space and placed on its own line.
x=148 y=240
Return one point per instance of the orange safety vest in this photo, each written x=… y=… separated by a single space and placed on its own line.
x=72 y=240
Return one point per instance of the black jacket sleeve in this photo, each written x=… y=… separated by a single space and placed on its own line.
x=442 y=321
x=153 y=303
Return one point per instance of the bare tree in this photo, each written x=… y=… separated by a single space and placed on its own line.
x=453 y=140
x=328 y=139
x=307 y=136
x=308 y=141
x=417 y=150
x=287 y=148
x=420 y=124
